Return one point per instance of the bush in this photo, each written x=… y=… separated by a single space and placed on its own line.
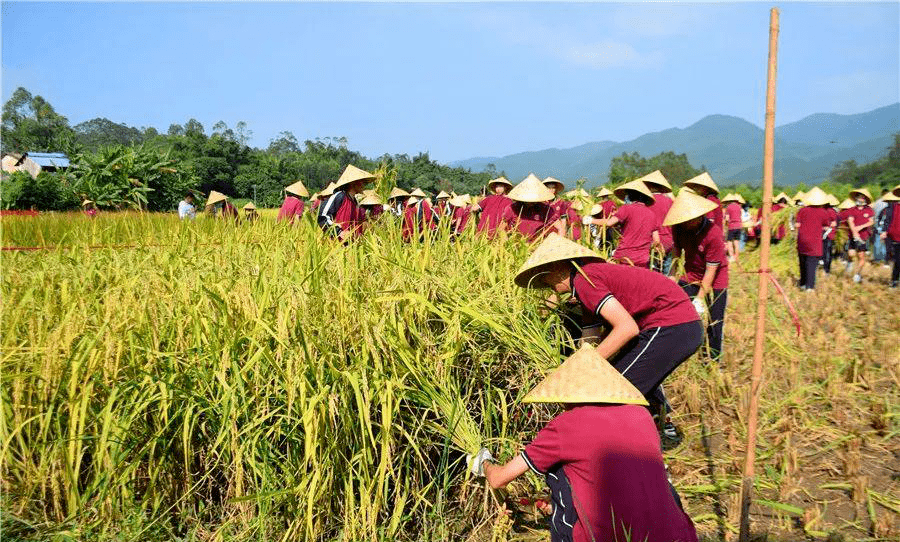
x=47 y=192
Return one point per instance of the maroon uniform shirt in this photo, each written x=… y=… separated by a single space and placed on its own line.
x=609 y=208
x=651 y=298
x=416 y=219
x=461 y=216
x=533 y=220
x=860 y=216
x=610 y=455
x=660 y=209
x=638 y=224
x=342 y=211
x=893 y=231
x=716 y=214
x=702 y=247
x=832 y=212
x=734 y=216
x=492 y=208
x=291 y=209
x=563 y=209
x=812 y=223
x=780 y=232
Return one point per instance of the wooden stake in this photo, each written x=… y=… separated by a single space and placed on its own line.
x=766 y=233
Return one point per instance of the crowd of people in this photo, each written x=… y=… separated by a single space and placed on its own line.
x=635 y=316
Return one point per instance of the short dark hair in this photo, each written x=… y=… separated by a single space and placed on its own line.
x=189 y=195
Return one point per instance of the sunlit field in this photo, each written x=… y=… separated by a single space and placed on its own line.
x=168 y=380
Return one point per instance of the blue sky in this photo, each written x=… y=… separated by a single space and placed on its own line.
x=457 y=80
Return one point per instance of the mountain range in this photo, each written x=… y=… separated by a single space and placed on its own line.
x=730 y=148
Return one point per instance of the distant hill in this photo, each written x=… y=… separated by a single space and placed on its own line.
x=729 y=147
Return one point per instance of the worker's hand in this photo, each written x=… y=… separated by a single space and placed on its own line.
x=345 y=235
x=883 y=235
x=587 y=221
x=699 y=305
x=476 y=461
x=545 y=507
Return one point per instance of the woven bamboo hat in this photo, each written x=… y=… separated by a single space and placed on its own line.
x=554 y=248
x=578 y=205
x=442 y=195
x=846 y=204
x=800 y=196
x=636 y=185
x=86 y=202
x=687 y=206
x=658 y=179
x=398 y=192
x=702 y=180
x=552 y=180
x=327 y=191
x=782 y=197
x=890 y=196
x=459 y=201
x=297 y=189
x=215 y=197
x=833 y=201
x=862 y=192
x=418 y=193
x=604 y=192
x=585 y=377
x=370 y=199
x=530 y=190
x=596 y=209
x=729 y=197
x=352 y=174
x=499 y=180
x=249 y=206
x=816 y=196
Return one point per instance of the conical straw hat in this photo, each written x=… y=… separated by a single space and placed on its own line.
x=578 y=205
x=327 y=191
x=352 y=174
x=215 y=197
x=846 y=204
x=398 y=192
x=799 y=196
x=418 y=193
x=739 y=198
x=554 y=248
x=86 y=202
x=816 y=196
x=596 y=209
x=413 y=200
x=890 y=196
x=604 y=192
x=530 y=190
x=658 y=179
x=249 y=206
x=298 y=189
x=637 y=186
x=314 y=196
x=688 y=206
x=551 y=180
x=861 y=192
x=782 y=197
x=585 y=377
x=833 y=201
x=459 y=201
x=370 y=199
x=727 y=198
x=702 y=180
x=442 y=195
x=499 y=180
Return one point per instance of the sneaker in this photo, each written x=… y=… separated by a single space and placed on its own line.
x=857 y=279
x=670 y=437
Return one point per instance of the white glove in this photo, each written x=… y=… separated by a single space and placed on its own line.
x=476 y=462
x=699 y=305
x=587 y=220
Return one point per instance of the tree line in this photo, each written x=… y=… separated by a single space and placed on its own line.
x=120 y=166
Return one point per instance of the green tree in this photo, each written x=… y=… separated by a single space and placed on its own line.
x=31 y=124
x=675 y=167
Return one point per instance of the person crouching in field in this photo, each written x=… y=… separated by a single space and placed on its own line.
x=492 y=206
x=654 y=327
x=640 y=228
x=531 y=214
x=90 y=210
x=250 y=214
x=397 y=201
x=860 y=219
x=735 y=224
x=340 y=215
x=600 y=458
x=292 y=207
x=460 y=214
x=891 y=233
x=811 y=223
x=218 y=205
x=705 y=278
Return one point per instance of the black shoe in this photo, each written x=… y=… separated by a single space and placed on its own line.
x=670 y=437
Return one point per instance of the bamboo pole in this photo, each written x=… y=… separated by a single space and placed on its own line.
x=768 y=179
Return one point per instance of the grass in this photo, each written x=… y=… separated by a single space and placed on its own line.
x=206 y=381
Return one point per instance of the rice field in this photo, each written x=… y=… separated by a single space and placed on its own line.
x=167 y=380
